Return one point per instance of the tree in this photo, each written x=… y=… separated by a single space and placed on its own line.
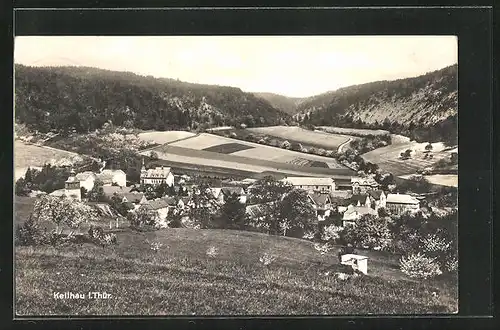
x=62 y=212
x=268 y=189
x=286 y=145
x=232 y=213
x=369 y=231
x=416 y=183
x=205 y=207
x=83 y=192
x=153 y=155
x=22 y=188
x=96 y=194
x=294 y=212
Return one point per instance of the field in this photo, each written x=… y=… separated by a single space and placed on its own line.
x=171 y=153
x=450 y=180
x=387 y=158
x=28 y=155
x=300 y=135
x=352 y=131
x=254 y=151
x=181 y=279
x=164 y=137
x=228 y=148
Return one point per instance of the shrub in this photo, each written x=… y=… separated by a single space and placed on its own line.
x=419 y=266
x=29 y=233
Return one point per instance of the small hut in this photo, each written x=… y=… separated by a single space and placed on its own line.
x=356 y=261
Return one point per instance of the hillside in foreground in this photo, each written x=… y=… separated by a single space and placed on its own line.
x=424 y=107
x=182 y=279
x=83 y=99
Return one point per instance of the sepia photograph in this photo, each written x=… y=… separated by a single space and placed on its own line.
x=235 y=175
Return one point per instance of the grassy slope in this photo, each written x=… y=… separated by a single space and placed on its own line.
x=182 y=279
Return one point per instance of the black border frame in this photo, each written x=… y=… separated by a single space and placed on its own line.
x=473 y=26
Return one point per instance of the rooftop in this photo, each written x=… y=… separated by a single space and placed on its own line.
x=157 y=172
x=85 y=175
x=375 y=193
x=233 y=190
x=320 y=199
x=361 y=210
x=308 y=181
x=401 y=199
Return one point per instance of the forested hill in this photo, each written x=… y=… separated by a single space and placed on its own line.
x=281 y=102
x=425 y=107
x=83 y=99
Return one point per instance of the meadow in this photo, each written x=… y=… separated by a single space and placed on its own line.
x=183 y=278
x=28 y=155
x=234 y=161
x=352 y=131
x=300 y=135
x=388 y=158
x=255 y=151
x=164 y=137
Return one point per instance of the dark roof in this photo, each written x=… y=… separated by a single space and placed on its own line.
x=132 y=197
x=375 y=193
x=320 y=199
x=233 y=190
x=361 y=198
x=339 y=201
x=172 y=201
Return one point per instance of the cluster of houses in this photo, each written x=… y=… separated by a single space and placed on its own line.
x=363 y=198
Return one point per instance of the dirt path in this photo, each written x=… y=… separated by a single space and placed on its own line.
x=174 y=141
x=339 y=149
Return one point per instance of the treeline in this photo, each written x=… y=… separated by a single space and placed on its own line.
x=82 y=99
x=430 y=100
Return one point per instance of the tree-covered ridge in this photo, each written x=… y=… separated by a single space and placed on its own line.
x=424 y=107
x=284 y=103
x=83 y=99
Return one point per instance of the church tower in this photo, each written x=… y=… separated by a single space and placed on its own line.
x=144 y=172
x=72 y=187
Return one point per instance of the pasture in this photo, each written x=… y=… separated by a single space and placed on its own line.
x=164 y=137
x=388 y=158
x=254 y=151
x=352 y=131
x=181 y=278
x=450 y=180
x=28 y=155
x=300 y=135
x=233 y=161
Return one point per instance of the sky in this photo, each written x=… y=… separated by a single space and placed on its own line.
x=295 y=66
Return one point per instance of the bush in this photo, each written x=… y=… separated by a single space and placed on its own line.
x=419 y=266
x=29 y=233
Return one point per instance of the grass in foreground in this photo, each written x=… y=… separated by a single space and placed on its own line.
x=181 y=279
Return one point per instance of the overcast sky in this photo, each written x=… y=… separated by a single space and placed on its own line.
x=296 y=66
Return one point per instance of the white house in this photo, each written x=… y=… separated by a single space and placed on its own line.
x=160 y=206
x=377 y=198
x=156 y=176
x=322 y=205
x=86 y=179
x=110 y=177
x=311 y=183
x=71 y=188
x=354 y=213
x=400 y=203
x=361 y=200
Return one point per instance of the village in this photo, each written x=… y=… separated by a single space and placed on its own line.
x=363 y=198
